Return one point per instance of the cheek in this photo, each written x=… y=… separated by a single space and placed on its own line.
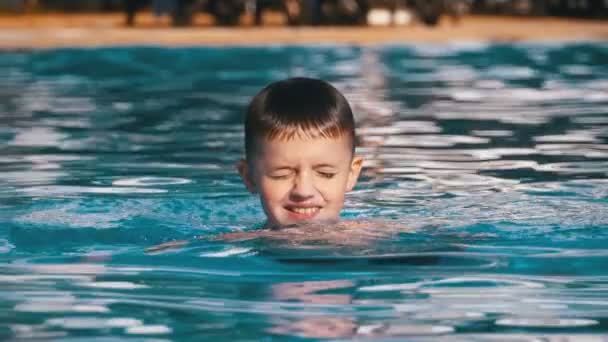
x=334 y=191
x=272 y=192
x=334 y=204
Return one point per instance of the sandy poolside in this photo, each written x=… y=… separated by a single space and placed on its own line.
x=94 y=30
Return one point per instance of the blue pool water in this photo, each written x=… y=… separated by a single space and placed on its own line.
x=485 y=187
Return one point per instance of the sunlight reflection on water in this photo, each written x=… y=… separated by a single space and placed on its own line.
x=484 y=193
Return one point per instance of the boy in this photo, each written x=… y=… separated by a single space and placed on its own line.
x=299 y=158
x=299 y=151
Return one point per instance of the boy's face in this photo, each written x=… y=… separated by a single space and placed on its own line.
x=302 y=179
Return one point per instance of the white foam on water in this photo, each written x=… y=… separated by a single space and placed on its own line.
x=553 y=306
x=595 y=96
x=400 y=170
x=151 y=181
x=401 y=127
x=417 y=329
x=576 y=70
x=568 y=137
x=455 y=74
x=41 y=335
x=122 y=106
x=498 y=153
x=32 y=279
x=122 y=285
x=492 y=133
x=32 y=176
x=56 y=307
x=149 y=330
x=119 y=322
x=69 y=216
x=547 y=322
x=450 y=49
x=60 y=190
x=511 y=72
x=450 y=178
x=227 y=252
x=369 y=329
x=429 y=140
x=68 y=269
x=77 y=322
x=389 y=287
x=455 y=280
x=413 y=126
x=508 y=165
x=38 y=136
x=449 y=315
x=582 y=167
x=467 y=95
x=490 y=84
x=5 y=246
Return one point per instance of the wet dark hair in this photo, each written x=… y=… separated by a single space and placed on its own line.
x=298 y=107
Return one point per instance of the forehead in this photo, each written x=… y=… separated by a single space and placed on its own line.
x=305 y=150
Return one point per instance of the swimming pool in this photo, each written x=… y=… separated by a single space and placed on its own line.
x=488 y=162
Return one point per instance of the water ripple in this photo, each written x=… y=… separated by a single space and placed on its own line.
x=481 y=209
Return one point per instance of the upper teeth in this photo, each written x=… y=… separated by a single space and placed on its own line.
x=305 y=211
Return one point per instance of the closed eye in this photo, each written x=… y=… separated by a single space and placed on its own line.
x=280 y=174
x=278 y=177
x=327 y=175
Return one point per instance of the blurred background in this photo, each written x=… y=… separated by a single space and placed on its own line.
x=303 y=12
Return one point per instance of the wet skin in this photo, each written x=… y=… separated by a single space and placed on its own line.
x=301 y=179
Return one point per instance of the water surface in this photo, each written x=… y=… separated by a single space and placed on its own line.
x=487 y=164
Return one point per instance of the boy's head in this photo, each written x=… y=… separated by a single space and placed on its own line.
x=299 y=145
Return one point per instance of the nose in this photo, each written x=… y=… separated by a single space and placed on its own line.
x=303 y=187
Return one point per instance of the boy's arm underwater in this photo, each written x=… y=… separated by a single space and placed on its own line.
x=335 y=233
x=339 y=233
x=176 y=244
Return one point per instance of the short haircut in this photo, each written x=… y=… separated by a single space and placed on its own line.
x=298 y=107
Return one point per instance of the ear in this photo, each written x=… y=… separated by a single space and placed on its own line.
x=246 y=175
x=353 y=174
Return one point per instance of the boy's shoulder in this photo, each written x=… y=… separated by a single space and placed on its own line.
x=331 y=233
x=343 y=232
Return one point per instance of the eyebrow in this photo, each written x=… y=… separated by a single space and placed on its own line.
x=318 y=166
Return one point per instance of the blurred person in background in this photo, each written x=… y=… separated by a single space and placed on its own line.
x=183 y=12
x=162 y=8
x=313 y=8
x=15 y=6
x=131 y=7
x=297 y=12
x=456 y=9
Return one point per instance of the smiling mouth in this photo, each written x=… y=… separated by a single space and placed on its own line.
x=303 y=213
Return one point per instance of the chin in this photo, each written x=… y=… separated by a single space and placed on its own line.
x=317 y=219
